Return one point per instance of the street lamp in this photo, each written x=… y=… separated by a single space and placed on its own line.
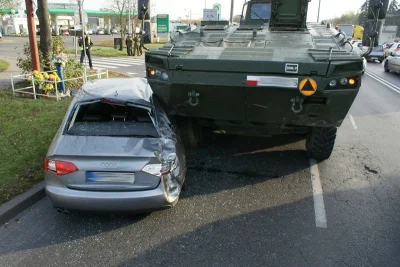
x=189 y=15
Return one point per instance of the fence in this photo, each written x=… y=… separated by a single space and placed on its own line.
x=32 y=89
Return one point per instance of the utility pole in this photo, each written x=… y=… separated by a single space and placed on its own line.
x=232 y=3
x=319 y=8
x=30 y=15
x=81 y=22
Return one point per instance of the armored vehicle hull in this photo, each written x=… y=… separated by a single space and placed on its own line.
x=267 y=76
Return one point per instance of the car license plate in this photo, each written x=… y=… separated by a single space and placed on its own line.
x=110 y=177
x=374 y=58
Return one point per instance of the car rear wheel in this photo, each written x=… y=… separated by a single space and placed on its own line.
x=386 y=67
x=320 y=142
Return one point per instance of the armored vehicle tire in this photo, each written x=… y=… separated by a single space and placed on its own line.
x=386 y=67
x=190 y=133
x=320 y=142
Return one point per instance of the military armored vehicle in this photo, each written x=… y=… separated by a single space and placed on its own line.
x=274 y=73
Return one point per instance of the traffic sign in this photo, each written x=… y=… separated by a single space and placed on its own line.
x=218 y=8
x=162 y=23
x=210 y=15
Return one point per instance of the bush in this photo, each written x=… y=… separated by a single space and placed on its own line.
x=72 y=68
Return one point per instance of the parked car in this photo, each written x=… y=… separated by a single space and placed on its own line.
x=392 y=63
x=378 y=53
x=1 y=35
x=114 y=31
x=89 y=32
x=116 y=150
x=394 y=47
x=100 y=32
x=65 y=33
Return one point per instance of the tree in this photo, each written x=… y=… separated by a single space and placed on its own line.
x=393 y=14
x=120 y=7
x=10 y=4
x=363 y=16
x=346 y=18
x=45 y=32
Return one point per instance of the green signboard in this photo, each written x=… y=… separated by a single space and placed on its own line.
x=162 y=23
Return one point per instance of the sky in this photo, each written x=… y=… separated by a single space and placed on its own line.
x=176 y=8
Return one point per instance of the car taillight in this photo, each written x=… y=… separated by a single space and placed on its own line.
x=59 y=167
x=157 y=169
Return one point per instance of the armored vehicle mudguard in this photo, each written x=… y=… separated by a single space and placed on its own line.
x=273 y=73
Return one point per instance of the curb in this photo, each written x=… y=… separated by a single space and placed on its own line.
x=21 y=202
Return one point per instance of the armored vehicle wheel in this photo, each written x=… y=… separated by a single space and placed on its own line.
x=386 y=66
x=320 y=142
x=190 y=133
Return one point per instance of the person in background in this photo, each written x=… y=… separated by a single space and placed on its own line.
x=88 y=46
x=142 y=42
x=136 y=41
x=129 y=42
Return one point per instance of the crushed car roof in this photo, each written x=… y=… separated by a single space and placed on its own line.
x=134 y=90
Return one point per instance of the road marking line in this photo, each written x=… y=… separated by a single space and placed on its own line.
x=103 y=66
x=120 y=59
x=319 y=206
x=353 y=122
x=111 y=63
x=388 y=84
x=131 y=73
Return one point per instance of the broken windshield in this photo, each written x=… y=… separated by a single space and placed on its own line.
x=106 y=119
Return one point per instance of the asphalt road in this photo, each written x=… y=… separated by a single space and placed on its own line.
x=250 y=202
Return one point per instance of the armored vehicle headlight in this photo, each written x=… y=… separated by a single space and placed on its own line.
x=343 y=81
x=333 y=83
x=352 y=81
x=164 y=76
x=158 y=73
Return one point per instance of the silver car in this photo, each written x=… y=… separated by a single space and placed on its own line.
x=392 y=63
x=116 y=150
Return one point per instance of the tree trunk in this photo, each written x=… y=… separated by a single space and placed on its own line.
x=45 y=33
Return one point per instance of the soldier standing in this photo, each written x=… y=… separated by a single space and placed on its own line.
x=128 y=43
x=136 y=41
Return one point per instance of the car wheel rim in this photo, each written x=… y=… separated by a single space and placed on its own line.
x=172 y=188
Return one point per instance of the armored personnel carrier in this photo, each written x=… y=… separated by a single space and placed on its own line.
x=271 y=74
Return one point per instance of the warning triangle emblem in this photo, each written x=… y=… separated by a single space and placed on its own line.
x=308 y=86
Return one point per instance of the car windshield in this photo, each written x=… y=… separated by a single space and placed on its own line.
x=107 y=119
x=260 y=11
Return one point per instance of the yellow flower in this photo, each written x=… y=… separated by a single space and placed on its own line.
x=45 y=75
x=35 y=72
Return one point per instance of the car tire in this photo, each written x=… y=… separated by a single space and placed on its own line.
x=380 y=61
x=320 y=142
x=386 y=67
